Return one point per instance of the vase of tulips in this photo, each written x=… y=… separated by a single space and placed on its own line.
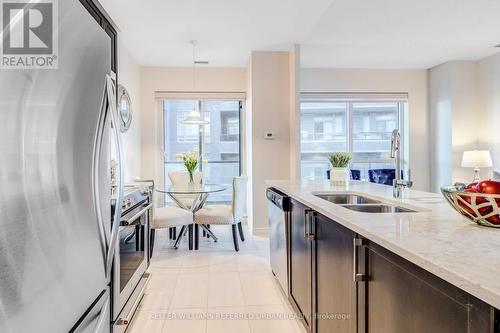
x=339 y=173
x=191 y=162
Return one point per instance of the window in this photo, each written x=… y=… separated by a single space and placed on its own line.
x=323 y=129
x=188 y=133
x=177 y=111
x=229 y=156
x=219 y=145
x=230 y=126
x=358 y=124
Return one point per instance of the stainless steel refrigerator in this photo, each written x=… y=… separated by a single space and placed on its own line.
x=55 y=232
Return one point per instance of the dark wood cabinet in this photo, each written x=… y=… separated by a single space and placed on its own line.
x=342 y=283
x=322 y=288
x=335 y=286
x=399 y=296
x=300 y=264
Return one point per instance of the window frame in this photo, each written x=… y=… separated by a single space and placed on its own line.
x=350 y=99
x=202 y=139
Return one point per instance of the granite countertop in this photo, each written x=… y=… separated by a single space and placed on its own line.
x=436 y=238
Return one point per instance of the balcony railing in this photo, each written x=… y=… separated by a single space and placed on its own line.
x=361 y=136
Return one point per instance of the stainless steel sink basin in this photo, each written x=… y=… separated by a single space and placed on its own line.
x=347 y=199
x=362 y=204
x=378 y=209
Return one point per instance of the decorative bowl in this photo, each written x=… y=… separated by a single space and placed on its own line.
x=480 y=208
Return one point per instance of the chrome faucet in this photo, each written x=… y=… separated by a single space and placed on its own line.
x=398 y=183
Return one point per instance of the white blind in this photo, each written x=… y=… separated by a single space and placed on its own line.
x=337 y=96
x=197 y=95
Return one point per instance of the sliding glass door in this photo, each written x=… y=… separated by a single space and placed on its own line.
x=218 y=142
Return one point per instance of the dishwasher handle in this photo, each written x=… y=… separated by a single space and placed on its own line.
x=278 y=198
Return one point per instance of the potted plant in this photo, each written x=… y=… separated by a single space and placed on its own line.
x=191 y=161
x=339 y=173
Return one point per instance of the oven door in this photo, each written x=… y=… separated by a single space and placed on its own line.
x=131 y=260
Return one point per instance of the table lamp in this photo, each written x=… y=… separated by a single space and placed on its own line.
x=477 y=159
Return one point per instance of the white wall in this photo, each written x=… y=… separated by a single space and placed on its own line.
x=178 y=79
x=465 y=117
x=413 y=82
x=294 y=96
x=269 y=93
x=249 y=146
x=440 y=123
x=129 y=76
x=489 y=103
x=464 y=108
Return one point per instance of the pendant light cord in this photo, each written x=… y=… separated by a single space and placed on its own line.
x=193 y=42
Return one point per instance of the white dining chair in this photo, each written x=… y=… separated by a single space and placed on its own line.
x=227 y=214
x=170 y=218
x=167 y=218
x=181 y=179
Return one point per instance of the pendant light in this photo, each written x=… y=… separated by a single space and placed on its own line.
x=194 y=117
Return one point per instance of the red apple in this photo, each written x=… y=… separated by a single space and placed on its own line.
x=480 y=200
x=471 y=186
x=467 y=199
x=495 y=219
x=488 y=186
x=485 y=210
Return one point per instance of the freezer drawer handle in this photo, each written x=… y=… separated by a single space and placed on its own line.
x=102 y=318
x=130 y=314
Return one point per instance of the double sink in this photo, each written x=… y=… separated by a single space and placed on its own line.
x=363 y=204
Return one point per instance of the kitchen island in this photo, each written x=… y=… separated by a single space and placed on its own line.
x=390 y=264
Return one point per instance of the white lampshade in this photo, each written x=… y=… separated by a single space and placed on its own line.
x=195 y=118
x=477 y=159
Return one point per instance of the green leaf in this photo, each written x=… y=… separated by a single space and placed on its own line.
x=340 y=159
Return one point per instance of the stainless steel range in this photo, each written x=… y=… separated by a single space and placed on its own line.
x=131 y=259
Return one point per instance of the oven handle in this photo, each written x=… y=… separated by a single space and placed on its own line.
x=133 y=218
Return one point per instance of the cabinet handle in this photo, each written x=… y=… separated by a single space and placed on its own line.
x=357 y=242
x=310 y=219
x=306 y=222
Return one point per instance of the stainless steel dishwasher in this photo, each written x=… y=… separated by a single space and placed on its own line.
x=279 y=225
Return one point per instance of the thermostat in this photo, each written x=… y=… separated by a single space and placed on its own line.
x=269 y=135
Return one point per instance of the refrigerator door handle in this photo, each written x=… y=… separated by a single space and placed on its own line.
x=102 y=318
x=98 y=142
x=110 y=89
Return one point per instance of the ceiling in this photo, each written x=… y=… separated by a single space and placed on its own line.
x=332 y=33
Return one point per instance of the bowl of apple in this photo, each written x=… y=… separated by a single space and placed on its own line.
x=479 y=202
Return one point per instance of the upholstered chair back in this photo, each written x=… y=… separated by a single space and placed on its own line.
x=181 y=179
x=239 y=197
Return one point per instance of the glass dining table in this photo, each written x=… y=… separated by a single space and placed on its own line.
x=192 y=197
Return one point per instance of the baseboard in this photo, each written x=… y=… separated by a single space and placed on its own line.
x=263 y=232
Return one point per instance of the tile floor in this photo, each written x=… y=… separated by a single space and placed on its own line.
x=214 y=289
